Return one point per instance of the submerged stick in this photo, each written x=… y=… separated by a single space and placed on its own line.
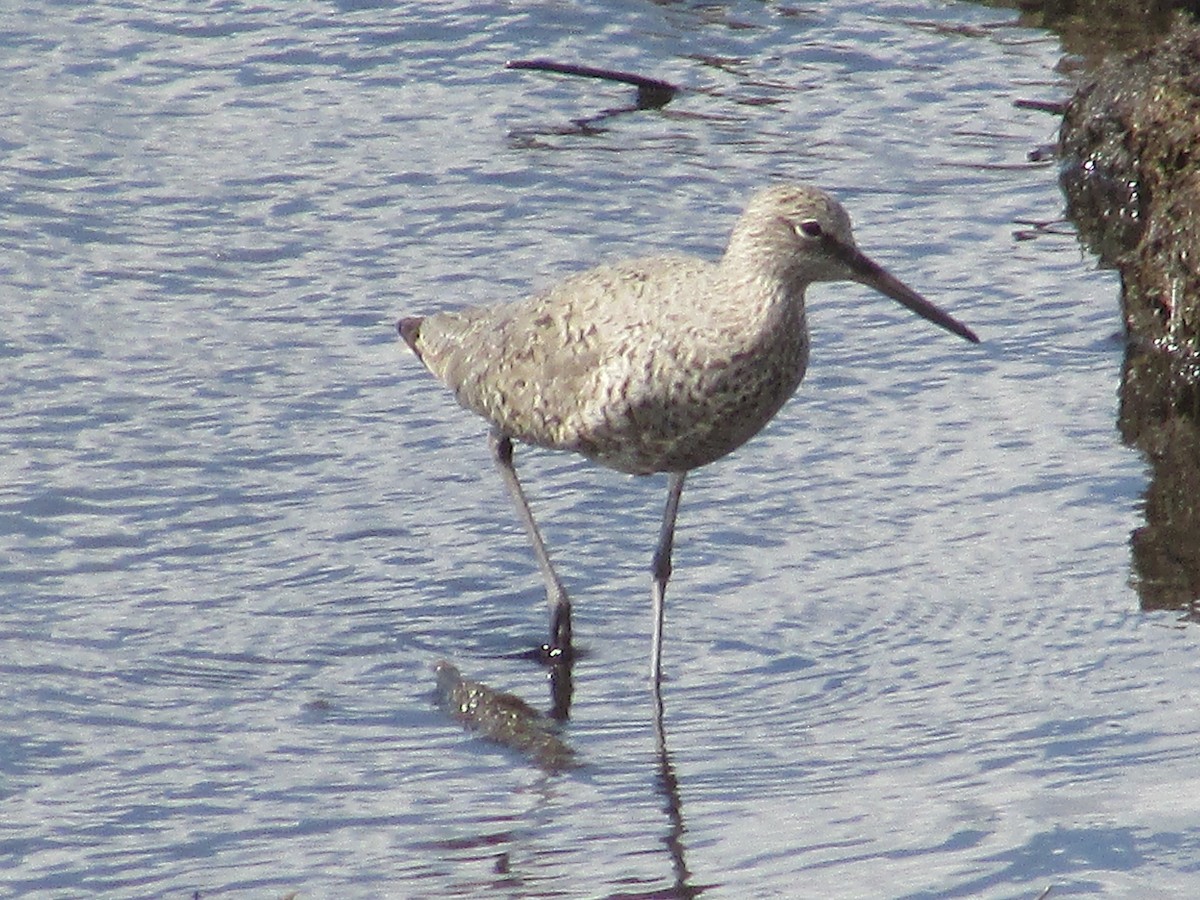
x=503 y=718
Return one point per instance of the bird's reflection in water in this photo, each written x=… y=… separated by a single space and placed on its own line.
x=509 y=721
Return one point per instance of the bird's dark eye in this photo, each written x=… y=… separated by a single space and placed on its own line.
x=810 y=227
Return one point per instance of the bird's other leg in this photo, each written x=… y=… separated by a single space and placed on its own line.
x=559 y=645
x=660 y=571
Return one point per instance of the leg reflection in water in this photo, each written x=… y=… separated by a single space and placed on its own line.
x=668 y=786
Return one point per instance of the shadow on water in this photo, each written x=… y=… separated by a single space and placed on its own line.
x=507 y=720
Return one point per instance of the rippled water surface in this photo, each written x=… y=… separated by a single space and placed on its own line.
x=239 y=524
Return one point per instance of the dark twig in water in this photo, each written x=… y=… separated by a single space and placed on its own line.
x=1046 y=153
x=1035 y=228
x=652 y=93
x=1054 y=107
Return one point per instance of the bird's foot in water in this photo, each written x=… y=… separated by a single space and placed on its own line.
x=558 y=662
x=549 y=655
x=557 y=651
x=555 y=656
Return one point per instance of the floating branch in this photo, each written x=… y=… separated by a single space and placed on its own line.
x=1054 y=107
x=652 y=93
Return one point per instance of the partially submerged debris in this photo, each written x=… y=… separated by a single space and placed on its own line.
x=503 y=718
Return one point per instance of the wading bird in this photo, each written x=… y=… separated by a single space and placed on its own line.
x=661 y=364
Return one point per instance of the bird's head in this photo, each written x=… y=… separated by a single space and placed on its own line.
x=801 y=234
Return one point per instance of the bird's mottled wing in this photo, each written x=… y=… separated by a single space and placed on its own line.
x=537 y=367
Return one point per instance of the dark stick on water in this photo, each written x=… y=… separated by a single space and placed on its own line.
x=652 y=93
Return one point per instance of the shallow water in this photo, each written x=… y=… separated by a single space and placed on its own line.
x=239 y=525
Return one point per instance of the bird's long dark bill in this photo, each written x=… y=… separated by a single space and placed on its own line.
x=870 y=273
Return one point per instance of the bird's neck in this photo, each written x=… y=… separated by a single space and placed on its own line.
x=767 y=289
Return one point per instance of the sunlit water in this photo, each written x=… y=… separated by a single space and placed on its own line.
x=239 y=524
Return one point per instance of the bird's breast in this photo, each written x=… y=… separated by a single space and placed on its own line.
x=675 y=406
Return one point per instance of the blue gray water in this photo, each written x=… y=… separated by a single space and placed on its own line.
x=239 y=524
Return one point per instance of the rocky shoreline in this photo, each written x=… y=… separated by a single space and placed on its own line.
x=1129 y=148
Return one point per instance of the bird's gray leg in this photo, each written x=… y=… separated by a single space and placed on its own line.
x=560 y=606
x=660 y=570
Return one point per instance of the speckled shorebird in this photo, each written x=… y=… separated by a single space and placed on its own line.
x=662 y=364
